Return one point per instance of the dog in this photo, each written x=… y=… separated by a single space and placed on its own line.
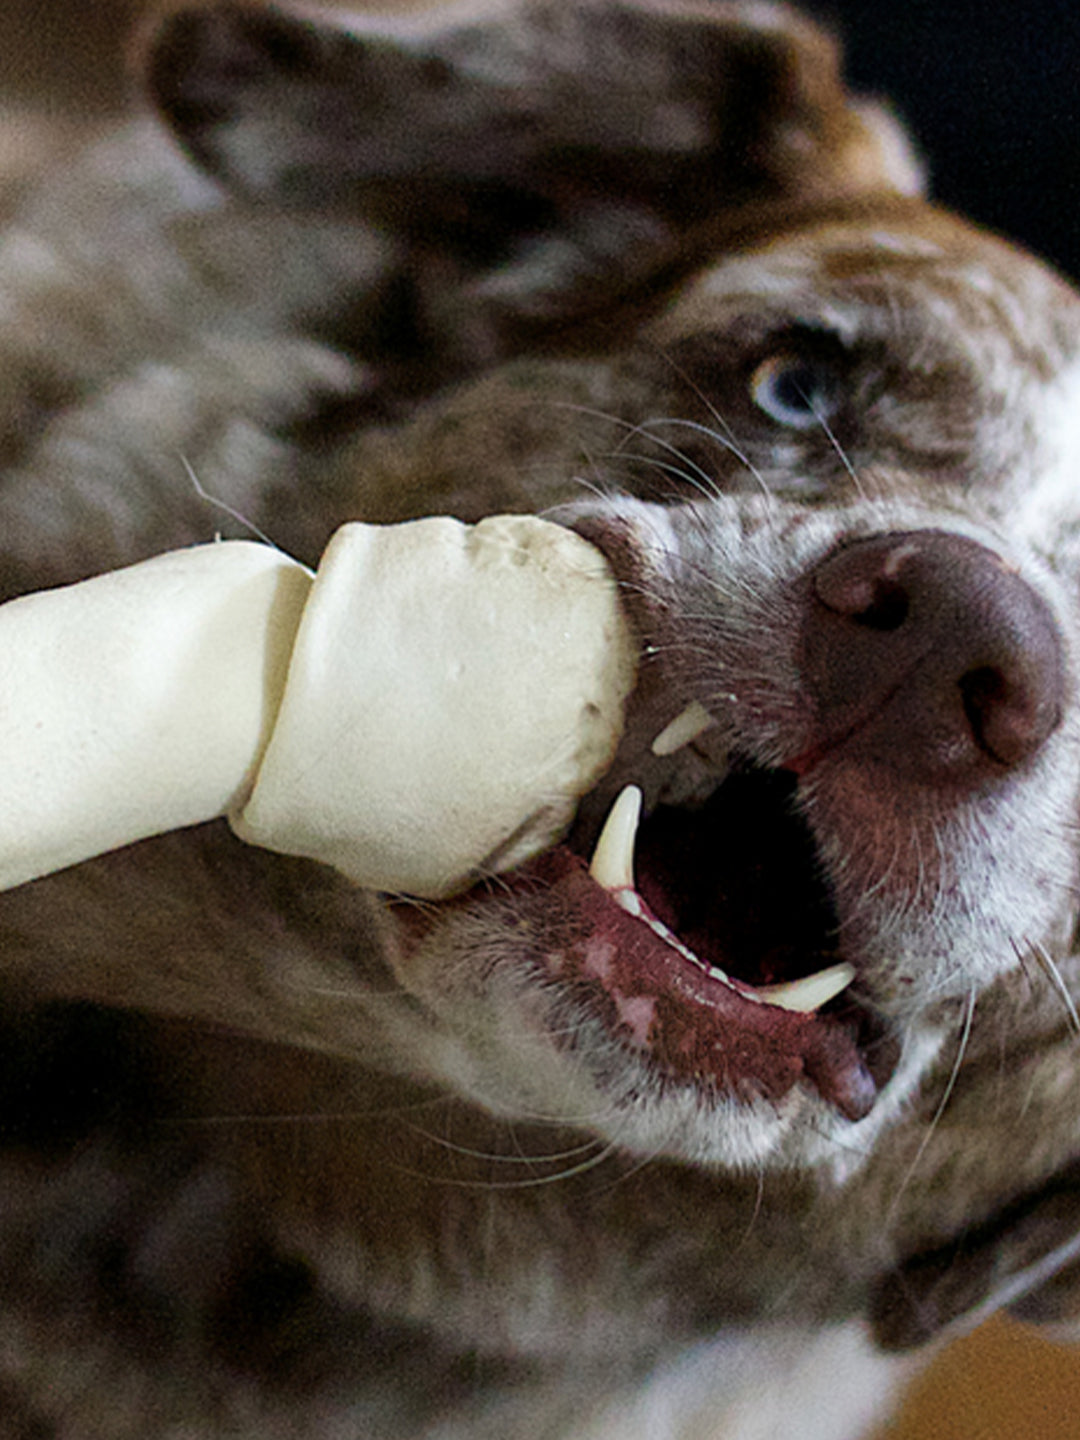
x=281 y=1157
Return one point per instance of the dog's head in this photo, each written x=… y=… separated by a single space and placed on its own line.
x=694 y=305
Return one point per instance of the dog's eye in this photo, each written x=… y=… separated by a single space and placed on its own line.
x=799 y=391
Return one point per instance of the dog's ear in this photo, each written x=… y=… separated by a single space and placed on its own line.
x=561 y=143
x=690 y=103
x=1025 y=1259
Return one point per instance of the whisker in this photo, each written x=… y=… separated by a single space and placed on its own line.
x=1047 y=965
x=227 y=509
x=707 y=481
x=531 y=1183
x=723 y=442
x=667 y=467
x=950 y=1086
x=645 y=428
x=830 y=435
x=495 y=1157
x=730 y=442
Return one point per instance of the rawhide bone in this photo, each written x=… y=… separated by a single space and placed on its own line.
x=428 y=707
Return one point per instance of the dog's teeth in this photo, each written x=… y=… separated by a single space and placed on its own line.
x=613 y=859
x=805 y=996
x=630 y=901
x=686 y=726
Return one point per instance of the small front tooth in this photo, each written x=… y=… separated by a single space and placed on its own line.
x=686 y=726
x=805 y=996
x=613 y=859
x=629 y=900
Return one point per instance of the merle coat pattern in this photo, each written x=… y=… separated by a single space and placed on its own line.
x=283 y=1158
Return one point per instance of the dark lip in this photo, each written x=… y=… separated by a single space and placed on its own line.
x=683 y=1023
x=738 y=878
x=679 y=1022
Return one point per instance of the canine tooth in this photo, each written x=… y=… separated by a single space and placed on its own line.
x=805 y=996
x=686 y=726
x=613 y=859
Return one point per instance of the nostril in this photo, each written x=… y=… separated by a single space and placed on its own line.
x=983 y=692
x=874 y=598
x=887 y=608
x=1006 y=715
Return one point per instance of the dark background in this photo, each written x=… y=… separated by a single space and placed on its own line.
x=992 y=92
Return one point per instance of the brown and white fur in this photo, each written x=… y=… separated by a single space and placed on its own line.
x=283 y=1158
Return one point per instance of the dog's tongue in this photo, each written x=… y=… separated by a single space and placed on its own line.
x=453 y=692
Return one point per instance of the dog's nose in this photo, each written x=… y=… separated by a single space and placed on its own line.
x=927 y=652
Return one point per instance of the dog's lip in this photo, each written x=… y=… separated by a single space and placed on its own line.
x=683 y=1025
x=684 y=1022
x=678 y=1015
x=687 y=1004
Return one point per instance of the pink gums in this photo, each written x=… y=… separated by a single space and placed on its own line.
x=692 y=1025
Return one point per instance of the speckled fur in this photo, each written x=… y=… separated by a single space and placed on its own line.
x=281 y=1160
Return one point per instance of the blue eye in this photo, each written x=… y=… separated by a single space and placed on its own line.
x=799 y=391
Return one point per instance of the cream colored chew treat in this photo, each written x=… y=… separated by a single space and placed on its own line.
x=139 y=701
x=453 y=692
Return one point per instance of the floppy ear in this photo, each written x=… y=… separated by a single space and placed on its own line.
x=562 y=143
x=1025 y=1259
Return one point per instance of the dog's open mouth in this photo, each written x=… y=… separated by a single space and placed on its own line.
x=699 y=930
x=705 y=937
x=732 y=886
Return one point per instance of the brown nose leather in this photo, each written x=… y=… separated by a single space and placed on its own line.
x=927 y=653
